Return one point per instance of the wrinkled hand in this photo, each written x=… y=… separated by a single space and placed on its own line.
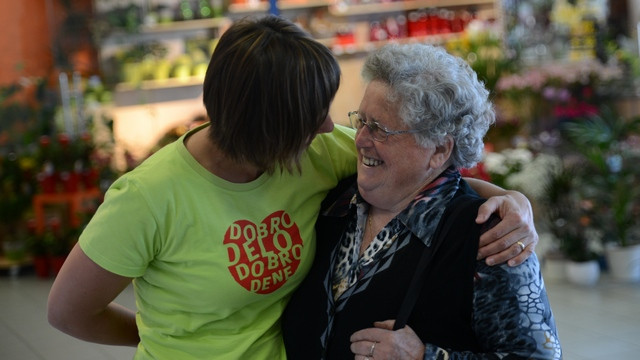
x=502 y=242
x=389 y=344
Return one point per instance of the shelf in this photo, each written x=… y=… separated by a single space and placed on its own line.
x=189 y=25
x=14 y=267
x=350 y=49
x=176 y=29
x=6 y=263
x=76 y=201
x=161 y=84
x=342 y=9
x=263 y=6
x=155 y=91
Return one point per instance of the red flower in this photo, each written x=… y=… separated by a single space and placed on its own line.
x=45 y=141
x=63 y=139
x=477 y=172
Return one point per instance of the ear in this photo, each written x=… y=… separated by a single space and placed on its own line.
x=442 y=153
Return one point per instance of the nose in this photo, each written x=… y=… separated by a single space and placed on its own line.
x=327 y=125
x=363 y=137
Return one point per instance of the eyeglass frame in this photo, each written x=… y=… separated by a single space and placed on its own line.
x=373 y=127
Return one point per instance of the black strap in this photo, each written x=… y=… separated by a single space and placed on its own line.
x=457 y=205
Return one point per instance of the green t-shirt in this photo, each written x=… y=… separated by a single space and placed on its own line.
x=214 y=262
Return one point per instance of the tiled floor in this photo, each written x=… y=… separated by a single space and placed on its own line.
x=601 y=322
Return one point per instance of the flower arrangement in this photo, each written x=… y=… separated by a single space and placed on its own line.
x=484 y=50
x=560 y=91
x=578 y=90
x=37 y=157
x=521 y=169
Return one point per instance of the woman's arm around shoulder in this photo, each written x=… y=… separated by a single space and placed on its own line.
x=514 y=238
x=80 y=303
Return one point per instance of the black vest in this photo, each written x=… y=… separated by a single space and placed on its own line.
x=441 y=316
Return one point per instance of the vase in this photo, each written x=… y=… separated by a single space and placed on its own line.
x=584 y=273
x=624 y=262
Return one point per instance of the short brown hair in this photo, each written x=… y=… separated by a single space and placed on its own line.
x=267 y=91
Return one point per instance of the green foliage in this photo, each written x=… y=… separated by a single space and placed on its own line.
x=609 y=170
x=568 y=215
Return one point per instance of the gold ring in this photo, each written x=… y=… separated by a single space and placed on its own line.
x=521 y=245
x=373 y=347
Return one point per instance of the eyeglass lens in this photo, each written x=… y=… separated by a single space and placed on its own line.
x=375 y=130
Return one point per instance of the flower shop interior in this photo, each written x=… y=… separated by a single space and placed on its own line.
x=90 y=88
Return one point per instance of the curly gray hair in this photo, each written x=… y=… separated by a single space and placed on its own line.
x=437 y=92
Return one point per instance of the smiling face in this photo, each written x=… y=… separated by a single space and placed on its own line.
x=392 y=172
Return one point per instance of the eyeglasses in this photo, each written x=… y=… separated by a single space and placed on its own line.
x=378 y=132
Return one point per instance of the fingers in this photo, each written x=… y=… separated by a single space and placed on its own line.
x=513 y=255
x=379 y=343
x=367 y=342
x=499 y=244
x=387 y=325
x=486 y=209
x=507 y=248
x=364 y=349
x=520 y=258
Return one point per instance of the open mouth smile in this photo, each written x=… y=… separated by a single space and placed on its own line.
x=370 y=162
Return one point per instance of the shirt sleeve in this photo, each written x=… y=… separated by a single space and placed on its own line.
x=339 y=148
x=512 y=317
x=121 y=236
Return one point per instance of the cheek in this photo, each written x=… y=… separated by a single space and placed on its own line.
x=410 y=165
x=327 y=126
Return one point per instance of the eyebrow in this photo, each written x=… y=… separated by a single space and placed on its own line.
x=365 y=117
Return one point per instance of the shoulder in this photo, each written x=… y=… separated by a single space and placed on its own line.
x=464 y=204
x=341 y=138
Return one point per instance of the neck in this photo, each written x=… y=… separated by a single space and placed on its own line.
x=209 y=155
x=376 y=220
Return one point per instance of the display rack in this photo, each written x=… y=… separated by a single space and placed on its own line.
x=348 y=36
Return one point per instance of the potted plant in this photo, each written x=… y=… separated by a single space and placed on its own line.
x=37 y=250
x=608 y=146
x=568 y=217
x=58 y=241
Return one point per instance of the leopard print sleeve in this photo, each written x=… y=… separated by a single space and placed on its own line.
x=512 y=316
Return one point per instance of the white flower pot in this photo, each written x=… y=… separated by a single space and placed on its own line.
x=584 y=273
x=554 y=269
x=624 y=262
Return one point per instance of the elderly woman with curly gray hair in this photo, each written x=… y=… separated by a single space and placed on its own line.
x=396 y=274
